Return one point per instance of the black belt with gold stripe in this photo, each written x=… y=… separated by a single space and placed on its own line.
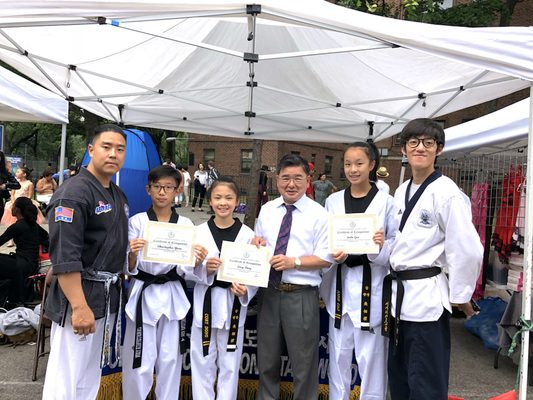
x=366 y=290
x=400 y=276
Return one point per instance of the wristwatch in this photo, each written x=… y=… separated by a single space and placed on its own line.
x=297 y=263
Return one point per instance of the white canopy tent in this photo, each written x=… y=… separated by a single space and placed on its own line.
x=492 y=133
x=24 y=101
x=323 y=72
x=281 y=70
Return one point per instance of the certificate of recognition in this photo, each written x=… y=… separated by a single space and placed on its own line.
x=244 y=263
x=169 y=243
x=352 y=233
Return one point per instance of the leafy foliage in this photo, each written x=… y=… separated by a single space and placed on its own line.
x=477 y=13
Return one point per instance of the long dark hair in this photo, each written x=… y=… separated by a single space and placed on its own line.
x=27 y=209
x=3 y=166
x=373 y=155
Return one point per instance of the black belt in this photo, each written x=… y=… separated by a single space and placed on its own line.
x=206 y=320
x=366 y=290
x=400 y=276
x=148 y=280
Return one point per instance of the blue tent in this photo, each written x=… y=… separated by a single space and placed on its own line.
x=141 y=157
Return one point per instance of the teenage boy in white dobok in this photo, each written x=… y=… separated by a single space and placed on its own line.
x=435 y=230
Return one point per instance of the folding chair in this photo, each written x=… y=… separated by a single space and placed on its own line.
x=40 y=286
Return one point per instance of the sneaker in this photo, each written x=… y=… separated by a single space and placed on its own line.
x=200 y=210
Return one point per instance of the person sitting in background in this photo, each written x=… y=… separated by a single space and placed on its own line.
x=28 y=236
x=26 y=190
x=46 y=186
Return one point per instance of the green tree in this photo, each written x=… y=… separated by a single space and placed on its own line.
x=477 y=13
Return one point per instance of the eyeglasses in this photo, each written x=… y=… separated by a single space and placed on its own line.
x=166 y=188
x=297 y=179
x=414 y=142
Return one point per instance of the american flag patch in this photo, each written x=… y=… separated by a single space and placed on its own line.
x=63 y=214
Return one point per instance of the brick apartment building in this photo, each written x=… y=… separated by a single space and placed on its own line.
x=233 y=157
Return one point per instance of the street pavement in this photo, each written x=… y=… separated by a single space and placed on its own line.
x=472 y=376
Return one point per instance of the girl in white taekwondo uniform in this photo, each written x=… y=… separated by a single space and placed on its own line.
x=158 y=304
x=352 y=288
x=434 y=231
x=216 y=340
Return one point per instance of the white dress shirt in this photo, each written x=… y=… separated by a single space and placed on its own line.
x=309 y=235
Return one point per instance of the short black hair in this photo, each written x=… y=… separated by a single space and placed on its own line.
x=422 y=126
x=164 y=171
x=107 y=128
x=48 y=172
x=293 y=160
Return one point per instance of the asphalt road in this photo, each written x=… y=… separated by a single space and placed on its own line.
x=472 y=375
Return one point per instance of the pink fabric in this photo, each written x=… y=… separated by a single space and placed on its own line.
x=479 y=219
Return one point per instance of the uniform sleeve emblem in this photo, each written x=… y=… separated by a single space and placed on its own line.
x=63 y=214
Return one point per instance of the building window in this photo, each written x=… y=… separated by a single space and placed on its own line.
x=191 y=158
x=328 y=163
x=313 y=158
x=383 y=151
x=209 y=154
x=296 y=153
x=397 y=141
x=246 y=161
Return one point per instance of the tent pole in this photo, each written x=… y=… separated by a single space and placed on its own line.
x=528 y=242
x=62 y=152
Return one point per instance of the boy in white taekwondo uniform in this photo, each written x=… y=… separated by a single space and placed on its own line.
x=435 y=230
x=352 y=289
x=289 y=313
x=88 y=242
x=158 y=304
x=217 y=332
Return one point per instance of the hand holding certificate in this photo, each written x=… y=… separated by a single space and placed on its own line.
x=244 y=263
x=169 y=243
x=353 y=233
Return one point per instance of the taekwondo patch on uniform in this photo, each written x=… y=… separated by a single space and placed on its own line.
x=425 y=218
x=63 y=214
x=102 y=208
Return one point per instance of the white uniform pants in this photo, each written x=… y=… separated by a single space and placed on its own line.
x=204 y=369
x=160 y=351
x=73 y=370
x=370 y=353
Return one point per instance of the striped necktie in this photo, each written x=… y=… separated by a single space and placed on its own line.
x=281 y=243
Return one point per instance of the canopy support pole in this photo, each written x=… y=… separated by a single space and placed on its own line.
x=62 y=152
x=528 y=242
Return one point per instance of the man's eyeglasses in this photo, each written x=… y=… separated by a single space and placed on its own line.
x=414 y=142
x=166 y=188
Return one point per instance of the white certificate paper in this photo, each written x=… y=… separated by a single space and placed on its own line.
x=244 y=263
x=352 y=233
x=169 y=243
